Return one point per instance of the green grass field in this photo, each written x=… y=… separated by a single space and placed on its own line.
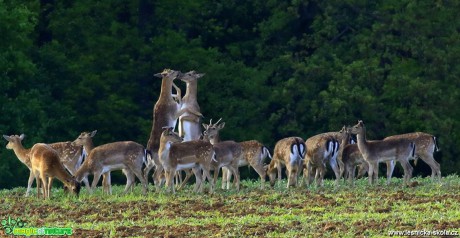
x=299 y=212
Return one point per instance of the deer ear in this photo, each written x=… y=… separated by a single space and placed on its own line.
x=158 y=75
x=221 y=126
x=205 y=126
x=93 y=133
x=22 y=136
x=199 y=75
x=6 y=137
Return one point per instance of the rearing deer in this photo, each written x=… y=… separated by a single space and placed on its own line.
x=376 y=151
x=164 y=115
x=189 y=113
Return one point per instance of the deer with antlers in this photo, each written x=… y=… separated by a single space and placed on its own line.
x=228 y=153
x=196 y=155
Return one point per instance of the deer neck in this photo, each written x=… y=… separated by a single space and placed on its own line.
x=64 y=176
x=23 y=154
x=190 y=94
x=361 y=140
x=166 y=89
x=88 y=146
x=343 y=143
x=215 y=140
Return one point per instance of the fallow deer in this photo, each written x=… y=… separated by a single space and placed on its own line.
x=128 y=156
x=228 y=153
x=289 y=152
x=378 y=151
x=46 y=165
x=70 y=156
x=425 y=146
x=321 y=149
x=189 y=113
x=352 y=157
x=164 y=115
x=196 y=155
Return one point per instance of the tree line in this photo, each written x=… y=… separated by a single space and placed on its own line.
x=273 y=69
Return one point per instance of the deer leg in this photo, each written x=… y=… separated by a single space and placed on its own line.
x=38 y=181
x=370 y=172
x=208 y=175
x=234 y=170
x=335 y=167
x=259 y=168
x=106 y=183
x=138 y=173
x=188 y=175
x=30 y=182
x=390 y=169
x=85 y=180
x=225 y=171
x=97 y=177
x=129 y=180
x=376 y=174
x=198 y=179
x=428 y=159
x=45 y=186
x=157 y=177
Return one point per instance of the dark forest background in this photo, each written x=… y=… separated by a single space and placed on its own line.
x=274 y=68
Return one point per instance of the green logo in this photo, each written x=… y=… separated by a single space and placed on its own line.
x=9 y=224
x=17 y=227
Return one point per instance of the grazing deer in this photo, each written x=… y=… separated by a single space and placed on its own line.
x=46 y=165
x=196 y=155
x=425 y=146
x=128 y=156
x=321 y=149
x=164 y=115
x=378 y=151
x=69 y=156
x=289 y=152
x=228 y=153
x=189 y=113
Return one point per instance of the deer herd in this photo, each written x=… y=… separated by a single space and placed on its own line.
x=197 y=150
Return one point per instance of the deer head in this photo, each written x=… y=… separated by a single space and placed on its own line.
x=13 y=140
x=83 y=138
x=190 y=76
x=211 y=131
x=168 y=73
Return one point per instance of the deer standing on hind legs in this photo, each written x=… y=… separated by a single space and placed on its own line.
x=289 y=152
x=228 y=153
x=378 y=151
x=164 y=115
x=189 y=115
x=128 y=156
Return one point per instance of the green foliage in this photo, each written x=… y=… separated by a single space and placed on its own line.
x=273 y=68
